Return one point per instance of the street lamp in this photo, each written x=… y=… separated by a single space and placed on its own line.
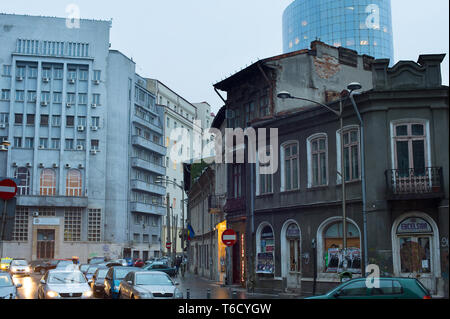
x=351 y=87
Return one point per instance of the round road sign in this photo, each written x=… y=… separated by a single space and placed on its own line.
x=168 y=245
x=8 y=189
x=229 y=237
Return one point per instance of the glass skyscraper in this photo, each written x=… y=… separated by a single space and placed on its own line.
x=361 y=25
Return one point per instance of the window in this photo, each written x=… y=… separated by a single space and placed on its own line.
x=81 y=143
x=95 y=145
x=72 y=224
x=81 y=121
x=351 y=154
x=45 y=97
x=17 y=142
x=29 y=142
x=46 y=73
x=82 y=98
x=20 y=96
x=44 y=120
x=95 y=121
x=55 y=143
x=18 y=119
x=32 y=72
x=96 y=99
x=410 y=142
x=72 y=74
x=388 y=287
x=31 y=96
x=69 y=144
x=20 y=232
x=293 y=240
x=48 y=182
x=43 y=143
x=20 y=72
x=146 y=239
x=73 y=183
x=6 y=70
x=56 y=120
x=5 y=95
x=291 y=163
x=58 y=73
x=71 y=98
x=84 y=75
x=136 y=238
x=46 y=212
x=358 y=288
x=30 y=119
x=57 y=97
x=263 y=106
x=70 y=120
x=265 y=180
x=318 y=161
x=237 y=180
x=22 y=174
x=4 y=118
x=97 y=75
x=94 y=225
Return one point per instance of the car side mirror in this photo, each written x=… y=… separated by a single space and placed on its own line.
x=19 y=285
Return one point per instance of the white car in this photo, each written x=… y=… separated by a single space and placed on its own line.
x=63 y=284
x=19 y=267
x=7 y=288
x=149 y=285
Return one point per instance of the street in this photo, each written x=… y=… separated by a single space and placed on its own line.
x=198 y=288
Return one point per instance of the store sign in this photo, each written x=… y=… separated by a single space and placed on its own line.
x=293 y=232
x=414 y=225
x=46 y=221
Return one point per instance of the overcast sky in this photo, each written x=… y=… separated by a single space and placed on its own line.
x=189 y=45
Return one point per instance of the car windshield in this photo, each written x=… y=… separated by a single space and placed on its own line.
x=84 y=267
x=6 y=261
x=153 y=279
x=66 y=278
x=96 y=260
x=5 y=280
x=92 y=270
x=122 y=272
x=65 y=263
x=102 y=273
x=19 y=263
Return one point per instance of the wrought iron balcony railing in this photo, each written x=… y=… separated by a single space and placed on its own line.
x=415 y=182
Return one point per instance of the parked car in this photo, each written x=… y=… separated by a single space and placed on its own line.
x=389 y=288
x=98 y=281
x=8 y=290
x=113 y=278
x=138 y=263
x=129 y=262
x=161 y=266
x=39 y=266
x=63 y=284
x=96 y=260
x=19 y=267
x=4 y=263
x=149 y=285
x=83 y=268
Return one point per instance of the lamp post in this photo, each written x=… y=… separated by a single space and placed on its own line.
x=351 y=87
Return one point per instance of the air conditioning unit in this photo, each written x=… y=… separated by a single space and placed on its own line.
x=55 y=165
x=96 y=82
x=81 y=166
x=69 y=105
x=19 y=78
x=45 y=80
x=41 y=165
x=3 y=148
x=14 y=164
x=2 y=125
x=44 y=103
x=80 y=147
x=94 y=128
x=80 y=128
x=71 y=81
x=94 y=105
x=94 y=152
x=35 y=214
x=28 y=165
x=67 y=166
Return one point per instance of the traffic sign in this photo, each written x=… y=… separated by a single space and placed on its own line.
x=8 y=189
x=168 y=245
x=229 y=237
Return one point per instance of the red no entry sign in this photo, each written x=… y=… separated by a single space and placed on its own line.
x=229 y=237
x=8 y=189
x=168 y=245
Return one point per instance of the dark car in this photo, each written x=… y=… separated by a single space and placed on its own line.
x=67 y=264
x=91 y=270
x=389 y=288
x=98 y=281
x=39 y=266
x=162 y=266
x=113 y=278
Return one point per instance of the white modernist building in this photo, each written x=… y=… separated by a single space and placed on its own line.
x=86 y=142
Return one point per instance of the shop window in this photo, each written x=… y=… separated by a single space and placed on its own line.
x=266 y=250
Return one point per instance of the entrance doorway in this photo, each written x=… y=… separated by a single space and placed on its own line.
x=236 y=261
x=45 y=244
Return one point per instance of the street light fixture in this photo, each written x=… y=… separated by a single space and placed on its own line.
x=347 y=94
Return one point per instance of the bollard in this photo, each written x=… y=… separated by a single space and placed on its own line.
x=234 y=295
x=208 y=294
x=188 y=294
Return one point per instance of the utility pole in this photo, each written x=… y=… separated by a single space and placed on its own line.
x=168 y=223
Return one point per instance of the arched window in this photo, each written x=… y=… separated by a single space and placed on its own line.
x=23 y=175
x=73 y=183
x=48 y=182
x=333 y=239
x=265 y=250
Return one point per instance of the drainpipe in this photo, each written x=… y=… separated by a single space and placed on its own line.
x=363 y=182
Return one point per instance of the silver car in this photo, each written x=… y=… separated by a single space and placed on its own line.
x=63 y=284
x=19 y=267
x=7 y=288
x=148 y=285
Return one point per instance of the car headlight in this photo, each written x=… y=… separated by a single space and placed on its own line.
x=87 y=294
x=52 y=294
x=145 y=296
x=27 y=269
x=13 y=269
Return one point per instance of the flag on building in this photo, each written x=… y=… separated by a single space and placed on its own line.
x=191 y=233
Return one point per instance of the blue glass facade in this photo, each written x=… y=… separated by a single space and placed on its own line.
x=361 y=25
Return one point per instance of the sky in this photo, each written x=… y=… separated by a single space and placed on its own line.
x=190 y=45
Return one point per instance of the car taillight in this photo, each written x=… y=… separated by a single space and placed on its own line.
x=426 y=297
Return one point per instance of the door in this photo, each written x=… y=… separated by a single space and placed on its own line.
x=45 y=244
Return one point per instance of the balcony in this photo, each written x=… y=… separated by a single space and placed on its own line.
x=138 y=119
x=142 y=142
x=415 y=183
x=148 y=166
x=148 y=208
x=235 y=208
x=147 y=187
x=216 y=203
